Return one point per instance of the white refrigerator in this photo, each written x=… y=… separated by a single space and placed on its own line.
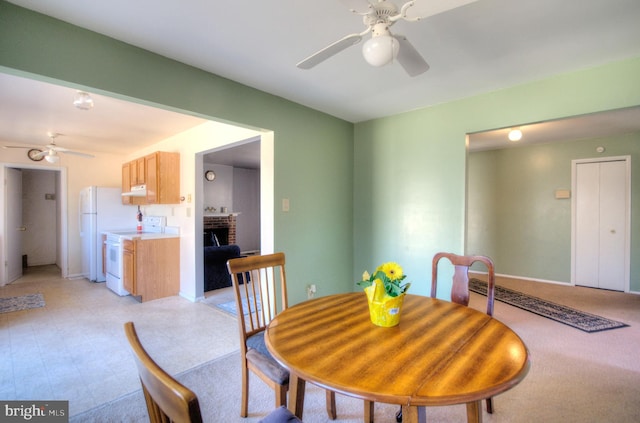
x=101 y=209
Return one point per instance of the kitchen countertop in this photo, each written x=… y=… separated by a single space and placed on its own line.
x=154 y=233
x=149 y=235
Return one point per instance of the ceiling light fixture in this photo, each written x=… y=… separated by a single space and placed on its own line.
x=515 y=135
x=52 y=157
x=83 y=101
x=381 y=48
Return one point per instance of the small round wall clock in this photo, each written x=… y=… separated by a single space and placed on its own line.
x=209 y=175
x=33 y=154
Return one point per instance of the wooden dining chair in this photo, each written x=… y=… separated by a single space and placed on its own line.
x=460 y=289
x=460 y=285
x=170 y=401
x=166 y=398
x=257 y=281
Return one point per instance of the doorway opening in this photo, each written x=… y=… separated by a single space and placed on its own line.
x=34 y=229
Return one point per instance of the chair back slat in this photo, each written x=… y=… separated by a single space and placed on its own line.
x=460 y=284
x=257 y=280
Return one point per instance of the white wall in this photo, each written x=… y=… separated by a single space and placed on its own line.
x=219 y=192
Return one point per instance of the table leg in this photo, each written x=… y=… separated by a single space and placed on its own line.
x=296 y=394
x=413 y=414
x=474 y=412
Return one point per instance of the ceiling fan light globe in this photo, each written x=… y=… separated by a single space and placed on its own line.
x=83 y=101
x=380 y=50
x=52 y=158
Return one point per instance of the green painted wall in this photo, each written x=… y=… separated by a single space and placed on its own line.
x=409 y=169
x=515 y=218
x=313 y=151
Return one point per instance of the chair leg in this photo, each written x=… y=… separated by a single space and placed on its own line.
x=331 y=404
x=281 y=395
x=368 y=411
x=399 y=415
x=490 y=405
x=244 y=404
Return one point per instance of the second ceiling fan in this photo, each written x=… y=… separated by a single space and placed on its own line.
x=49 y=151
x=383 y=47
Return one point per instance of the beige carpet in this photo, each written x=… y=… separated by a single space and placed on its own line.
x=575 y=376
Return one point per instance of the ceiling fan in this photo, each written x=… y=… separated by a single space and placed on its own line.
x=383 y=47
x=50 y=151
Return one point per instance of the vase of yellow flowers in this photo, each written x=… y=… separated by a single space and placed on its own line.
x=385 y=293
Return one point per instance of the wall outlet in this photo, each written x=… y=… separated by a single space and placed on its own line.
x=311 y=291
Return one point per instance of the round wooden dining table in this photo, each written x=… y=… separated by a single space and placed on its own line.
x=440 y=353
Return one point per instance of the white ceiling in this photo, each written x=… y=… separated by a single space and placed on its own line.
x=480 y=47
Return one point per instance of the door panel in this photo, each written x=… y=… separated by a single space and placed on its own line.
x=587 y=230
x=612 y=225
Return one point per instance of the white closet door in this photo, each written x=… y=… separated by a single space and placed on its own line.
x=612 y=225
x=601 y=252
x=587 y=240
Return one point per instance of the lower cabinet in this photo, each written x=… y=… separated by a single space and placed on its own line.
x=151 y=267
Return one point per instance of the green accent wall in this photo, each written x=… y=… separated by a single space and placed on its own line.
x=410 y=170
x=514 y=216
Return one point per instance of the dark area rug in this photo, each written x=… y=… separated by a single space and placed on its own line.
x=22 y=302
x=586 y=322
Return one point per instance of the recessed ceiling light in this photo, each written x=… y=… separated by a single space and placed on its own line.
x=515 y=135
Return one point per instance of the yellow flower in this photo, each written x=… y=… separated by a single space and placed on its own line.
x=366 y=276
x=392 y=270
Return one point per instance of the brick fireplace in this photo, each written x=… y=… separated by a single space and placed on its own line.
x=224 y=227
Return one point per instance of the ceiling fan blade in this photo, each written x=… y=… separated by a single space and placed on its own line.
x=421 y=9
x=16 y=146
x=409 y=58
x=361 y=7
x=331 y=50
x=40 y=154
x=76 y=153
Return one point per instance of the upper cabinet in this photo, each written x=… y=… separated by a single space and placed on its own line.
x=152 y=179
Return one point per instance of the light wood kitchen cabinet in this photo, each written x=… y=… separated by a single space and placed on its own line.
x=141 y=175
x=163 y=178
x=129 y=170
x=159 y=172
x=129 y=266
x=151 y=267
x=126 y=183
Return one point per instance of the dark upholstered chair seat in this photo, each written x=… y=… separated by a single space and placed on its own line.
x=280 y=415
